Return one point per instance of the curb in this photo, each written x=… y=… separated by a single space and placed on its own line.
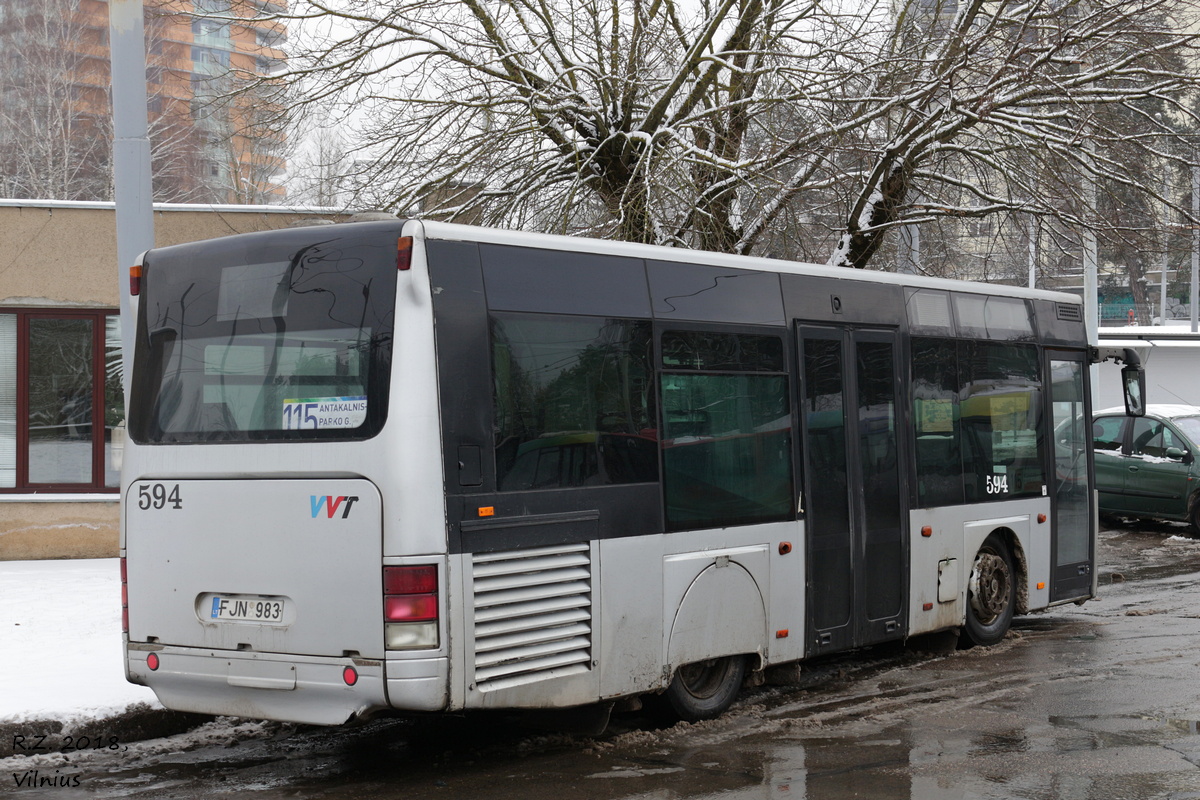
x=138 y=722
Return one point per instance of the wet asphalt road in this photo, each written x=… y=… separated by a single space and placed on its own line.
x=1098 y=701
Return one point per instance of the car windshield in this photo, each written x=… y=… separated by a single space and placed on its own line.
x=278 y=336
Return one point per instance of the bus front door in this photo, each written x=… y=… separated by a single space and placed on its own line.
x=1073 y=543
x=854 y=509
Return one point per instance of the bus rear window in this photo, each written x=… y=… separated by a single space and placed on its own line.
x=281 y=336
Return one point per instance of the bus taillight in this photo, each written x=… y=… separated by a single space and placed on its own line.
x=135 y=280
x=410 y=607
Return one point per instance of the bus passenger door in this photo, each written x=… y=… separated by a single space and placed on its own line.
x=1072 y=545
x=855 y=513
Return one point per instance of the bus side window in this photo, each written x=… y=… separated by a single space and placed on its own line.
x=1001 y=407
x=573 y=401
x=727 y=435
x=935 y=407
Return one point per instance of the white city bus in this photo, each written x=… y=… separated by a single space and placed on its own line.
x=415 y=466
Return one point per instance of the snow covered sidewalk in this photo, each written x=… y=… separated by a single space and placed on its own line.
x=60 y=642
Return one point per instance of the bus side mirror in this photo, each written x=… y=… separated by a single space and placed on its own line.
x=1133 y=384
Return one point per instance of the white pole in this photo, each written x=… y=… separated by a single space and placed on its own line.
x=1193 y=306
x=1165 y=261
x=131 y=154
x=1091 y=257
x=1033 y=247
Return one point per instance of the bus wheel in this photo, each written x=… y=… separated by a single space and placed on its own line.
x=991 y=594
x=705 y=689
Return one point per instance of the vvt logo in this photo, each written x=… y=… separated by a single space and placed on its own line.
x=331 y=504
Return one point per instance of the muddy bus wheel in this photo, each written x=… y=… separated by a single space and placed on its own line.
x=991 y=594
x=705 y=689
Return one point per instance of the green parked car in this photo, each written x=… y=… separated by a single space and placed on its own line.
x=1146 y=466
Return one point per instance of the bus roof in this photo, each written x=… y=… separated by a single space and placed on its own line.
x=468 y=233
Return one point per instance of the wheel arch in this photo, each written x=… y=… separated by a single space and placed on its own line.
x=722 y=613
x=1192 y=515
x=1020 y=566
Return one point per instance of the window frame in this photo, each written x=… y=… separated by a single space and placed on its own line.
x=99 y=318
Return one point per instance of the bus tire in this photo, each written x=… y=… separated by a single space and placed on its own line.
x=705 y=689
x=991 y=594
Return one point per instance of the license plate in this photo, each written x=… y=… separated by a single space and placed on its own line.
x=247 y=608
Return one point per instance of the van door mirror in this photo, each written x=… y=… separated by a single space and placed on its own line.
x=1133 y=383
x=1176 y=454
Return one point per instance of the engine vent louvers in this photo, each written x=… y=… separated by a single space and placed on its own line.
x=1069 y=311
x=532 y=614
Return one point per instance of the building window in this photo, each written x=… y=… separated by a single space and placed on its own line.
x=60 y=400
x=210 y=56
x=213 y=7
x=210 y=27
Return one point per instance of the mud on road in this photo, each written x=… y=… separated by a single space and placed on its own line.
x=1097 y=701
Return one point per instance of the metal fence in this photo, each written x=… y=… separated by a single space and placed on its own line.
x=1115 y=314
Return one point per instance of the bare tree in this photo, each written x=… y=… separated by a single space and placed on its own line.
x=721 y=124
x=1018 y=107
x=178 y=158
x=319 y=170
x=54 y=127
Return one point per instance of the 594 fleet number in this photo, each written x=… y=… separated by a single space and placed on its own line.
x=159 y=496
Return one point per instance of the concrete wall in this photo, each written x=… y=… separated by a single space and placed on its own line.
x=84 y=529
x=65 y=254
x=62 y=255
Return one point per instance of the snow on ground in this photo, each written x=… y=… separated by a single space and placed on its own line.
x=60 y=641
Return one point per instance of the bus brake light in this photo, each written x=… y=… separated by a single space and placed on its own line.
x=135 y=280
x=404 y=247
x=410 y=607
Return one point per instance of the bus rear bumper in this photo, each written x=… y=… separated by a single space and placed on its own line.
x=290 y=688
x=418 y=684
